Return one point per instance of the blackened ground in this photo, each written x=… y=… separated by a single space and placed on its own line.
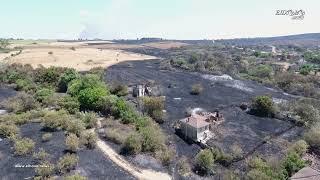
x=239 y=127
x=6 y=92
x=92 y=164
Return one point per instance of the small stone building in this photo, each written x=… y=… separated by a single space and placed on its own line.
x=195 y=127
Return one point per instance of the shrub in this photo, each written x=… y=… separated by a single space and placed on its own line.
x=154 y=106
x=89 y=139
x=293 y=163
x=260 y=169
x=152 y=138
x=25 y=85
x=72 y=142
x=119 y=89
x=17 y=119
x=263 y=106
x=306 y=69
x=74 y=126
x=84 y=82
x=196 y=89
x=308 y=114
x=75 y=177
x=70 y=104
x=312 y=137
x=261 y=71
x=68 y=76
x=48 y=76
x=8 y=129
x=67 y=163
x=165 y=155
x=45 y=170
x=46 y=137
x=183 y=166
x=89 y=119
x=22 y=102
x=132 y=145
x=55 y=120
x=90 y=97
x=42 y=155
x=204 y=161
x=23 y=146
x=44 y=95
x=300 y=147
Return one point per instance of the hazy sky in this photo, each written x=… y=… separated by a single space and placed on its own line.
x=173 y=19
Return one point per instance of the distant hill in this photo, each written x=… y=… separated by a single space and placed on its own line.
x=311 y=39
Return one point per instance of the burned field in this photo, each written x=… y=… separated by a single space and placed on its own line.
x=254 y=135
x=92 y=163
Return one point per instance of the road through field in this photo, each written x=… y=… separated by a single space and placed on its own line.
x=143 y=174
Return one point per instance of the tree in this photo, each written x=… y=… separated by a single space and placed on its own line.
x=263 y=106
x=4 y=43
x=205 y=160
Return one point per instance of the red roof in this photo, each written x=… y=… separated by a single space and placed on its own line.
x=196 y=121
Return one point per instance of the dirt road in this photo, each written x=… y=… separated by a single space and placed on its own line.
x=143 y=174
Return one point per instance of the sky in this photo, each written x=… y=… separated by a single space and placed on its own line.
x=169 y=19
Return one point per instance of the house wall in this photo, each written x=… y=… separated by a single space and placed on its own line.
x=194 y=133
x=189 y=131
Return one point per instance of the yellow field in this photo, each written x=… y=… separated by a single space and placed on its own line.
x=82 y=58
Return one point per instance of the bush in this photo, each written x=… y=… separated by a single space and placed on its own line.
x=89 y=139
x=42 y=155
x=25 y=85
x=119 y=89
x=44 y=95
x=75 y=177
x=74 y=126
x=90 y=97
x=48 y=76
x=18 y=119
x=152 y=138
x=68 y=76
x=23 y=146
x=132 y=145
x=55 y=120
x=261 y=71
x=308 y=114
x=165 y=155
x=196 y=89
x=300 y=147
x=67 y=163
x=70 y=104
x=45 y=170
x=293 y=163
x=306 y=69
x=84 y=82
x=263 y=106
x=89 y=119
x=204 y=161
x=46 y=137
x=312 y=137
x=260 y=169
x=154 y=106
x=8 y=129
x=72 y=142
x=22 y=102
x=183 y=166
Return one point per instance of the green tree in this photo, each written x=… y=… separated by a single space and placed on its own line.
x=205 y=160
x=263 y=106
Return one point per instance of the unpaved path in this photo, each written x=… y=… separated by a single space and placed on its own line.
x=139 y=173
